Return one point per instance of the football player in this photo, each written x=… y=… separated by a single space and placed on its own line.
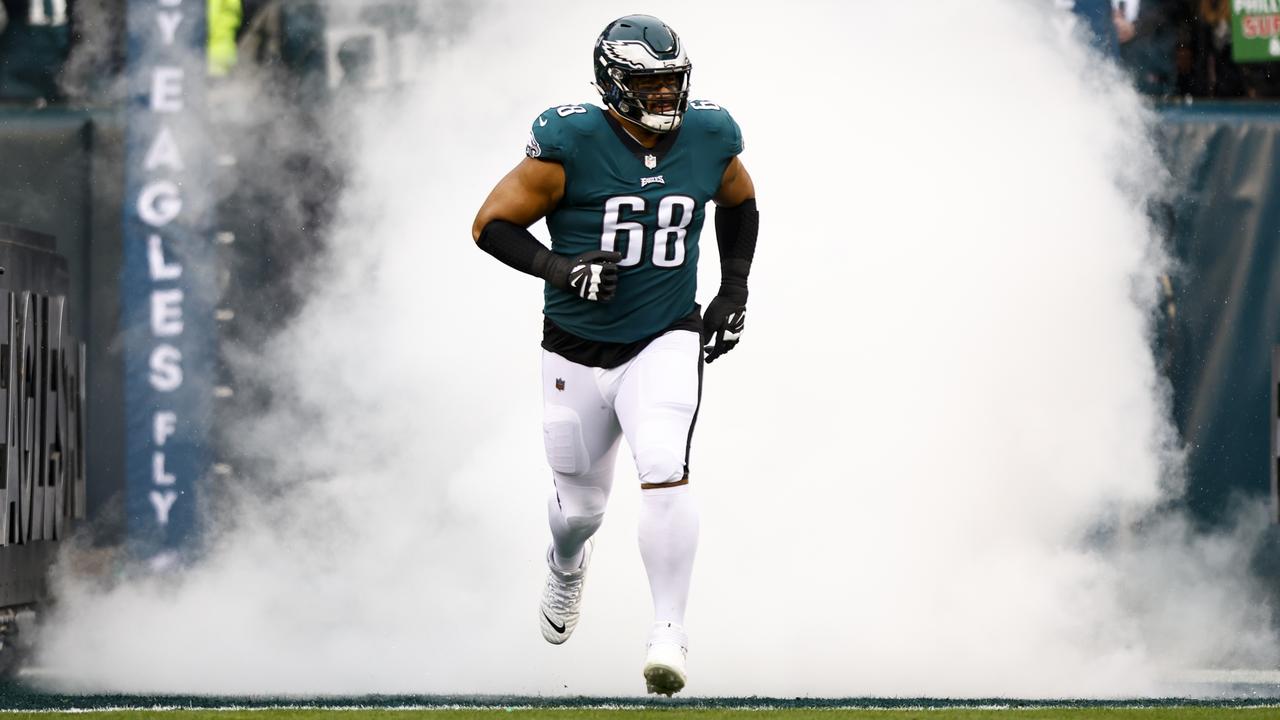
x=623 y=189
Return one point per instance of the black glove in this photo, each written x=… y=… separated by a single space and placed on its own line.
x=591 y=276
x=723 y=321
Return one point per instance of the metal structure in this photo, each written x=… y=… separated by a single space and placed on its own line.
x=42 y=464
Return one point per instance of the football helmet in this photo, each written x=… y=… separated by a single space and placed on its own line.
x=642 y=72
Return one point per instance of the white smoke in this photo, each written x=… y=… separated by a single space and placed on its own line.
x=917 y=472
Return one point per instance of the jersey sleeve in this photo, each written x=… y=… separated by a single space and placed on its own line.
x=550 y=138
x=720 y=125
x=733 y=135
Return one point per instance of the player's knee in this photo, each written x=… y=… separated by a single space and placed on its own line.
x=659 y=466
x=584 y=525
x=580 y=509
x=562 y=435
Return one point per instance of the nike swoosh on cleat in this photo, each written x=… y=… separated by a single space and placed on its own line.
x=552 y=623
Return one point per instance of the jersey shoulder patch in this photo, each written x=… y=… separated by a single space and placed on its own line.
x=717 y=123
x=554 y=134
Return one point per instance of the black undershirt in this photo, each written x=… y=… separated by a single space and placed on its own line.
x=594 y=353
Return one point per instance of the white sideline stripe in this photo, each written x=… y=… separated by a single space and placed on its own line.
x=607 y=706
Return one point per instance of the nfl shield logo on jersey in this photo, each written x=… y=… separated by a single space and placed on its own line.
x=651 y=161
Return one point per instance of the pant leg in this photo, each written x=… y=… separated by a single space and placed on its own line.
x=581 y=434
x=657 y=405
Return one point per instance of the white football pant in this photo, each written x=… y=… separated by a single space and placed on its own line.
x=652 y=400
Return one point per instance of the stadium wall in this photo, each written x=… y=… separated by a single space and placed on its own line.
x=1223 y=319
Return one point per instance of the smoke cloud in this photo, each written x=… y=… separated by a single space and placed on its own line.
x=920 y=473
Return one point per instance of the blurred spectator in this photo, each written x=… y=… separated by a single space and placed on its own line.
x=1124 y=15
x=224 y=23
x=33 y=46
x=1097 y=18
x=1212 y=71
x=1147 y=31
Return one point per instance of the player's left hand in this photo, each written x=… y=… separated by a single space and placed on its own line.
x=722 y=325
x=594 y=275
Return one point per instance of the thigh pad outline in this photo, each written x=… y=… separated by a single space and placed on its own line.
x=562 y=435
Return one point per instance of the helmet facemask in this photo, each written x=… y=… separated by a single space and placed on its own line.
x=654 y=99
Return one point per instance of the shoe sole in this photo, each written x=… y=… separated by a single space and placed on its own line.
x=663 y=680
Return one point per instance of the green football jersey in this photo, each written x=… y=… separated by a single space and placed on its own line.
x=646 y=203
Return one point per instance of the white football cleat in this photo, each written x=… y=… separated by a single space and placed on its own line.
x=562 y=598
x=664 y=672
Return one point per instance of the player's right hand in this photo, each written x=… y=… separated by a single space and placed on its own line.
x=594 y=275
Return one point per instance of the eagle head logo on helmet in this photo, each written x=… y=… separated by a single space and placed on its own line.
x=642 y=72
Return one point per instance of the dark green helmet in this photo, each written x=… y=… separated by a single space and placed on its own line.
x=642 y=72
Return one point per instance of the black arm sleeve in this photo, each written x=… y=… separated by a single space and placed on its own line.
x=517 y=247
x=736 y=231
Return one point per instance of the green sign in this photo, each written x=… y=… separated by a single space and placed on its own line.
x=1255 y=30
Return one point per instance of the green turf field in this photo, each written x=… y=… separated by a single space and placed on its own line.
x=676 y=713
x=1242 y=702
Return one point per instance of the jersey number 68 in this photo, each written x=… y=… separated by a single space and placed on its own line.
x=675 y=212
